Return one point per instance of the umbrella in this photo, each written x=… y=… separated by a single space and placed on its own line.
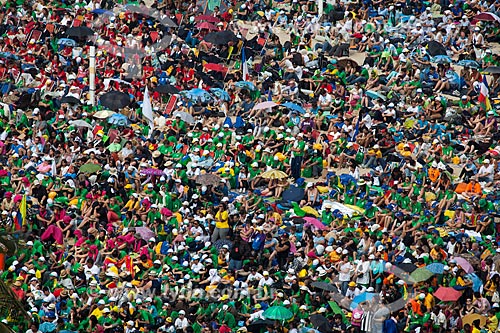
x=215 y=67
x=486 y=16
x=70 y=100
x=320 y=323
x=265 y=105
x=274 y=174
x=115 y=100
x=492 y=70
x=152 y=172
x=436 y=268
x=208 y=179
x=145 y=233
x=221 y=37
x=219 y=244
x=363 y=297
x=342 y=62
x=118 y=119
x=258 y=325
x=100 y=11
x=221 y=94
x=8 y=55
x=278 y=313
x=314 y=222
x=103 y=114
x=90 y=168
x=184 y=116
x=166 y=89
x=323 y=286
x=80 y=123
x=470 y=318
x=310 y=211
x=66 y=42
x=294 y=107
x=441 y=59
x=206 y=25
x=208 y=18
x=197 y=94
x=81 y=31
x=421 y=274
x=407 y=267
x=245 y=85
x=293 y=194
x=375 y=94
x=466 y=266
x=447 y=294
x=468 y=63
x=476 y=281
x=435 y=48
x=114 y=147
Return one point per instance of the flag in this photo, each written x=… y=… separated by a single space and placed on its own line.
x=484 y=93
x=356 y=129
x=147 y=110
x=270 y=95
x=20 y=217
x=244 y=66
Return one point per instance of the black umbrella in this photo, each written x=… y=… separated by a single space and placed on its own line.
x=492 y=70
x=259 y=325
x=166 y=89
x=70 y=100
x=435 y=48
x=320 y=323
x=115 y=100
x=293 y=194
x=407 y=267
x=323 y=286
x=80 y=31
x=221 y=37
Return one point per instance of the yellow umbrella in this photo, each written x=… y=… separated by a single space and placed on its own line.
x=470 y=318
x=310 y=211
x=356 y=208
x=274 y=174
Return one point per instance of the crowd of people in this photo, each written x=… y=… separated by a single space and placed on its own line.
x=257 y=166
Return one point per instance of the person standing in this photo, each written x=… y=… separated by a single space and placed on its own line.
x=297 y=156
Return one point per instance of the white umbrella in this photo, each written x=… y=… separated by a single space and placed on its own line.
x=265 y=105
x=80 y=123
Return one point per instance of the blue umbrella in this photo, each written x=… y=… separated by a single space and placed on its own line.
x=468 y=63
x=363 y=297
x=100 y=11
x=220 y=93
x=476 y=281
x=245 y=85
x=8 y=55
x=295 y=107
x=47 y=327
x=441 y=59
x=118 y=119
x=66 y=42
x=197 y=94
x=436 y=268
x=375 y=95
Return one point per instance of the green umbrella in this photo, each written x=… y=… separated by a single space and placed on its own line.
x=114 y=147
x=421 y=274
x=278 y=313
x=90 y=168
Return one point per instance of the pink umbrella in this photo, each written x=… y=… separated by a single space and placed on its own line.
x=486 y=16
x=265 y=105
x=448 y=294
x=314 y=222
x=466 y=266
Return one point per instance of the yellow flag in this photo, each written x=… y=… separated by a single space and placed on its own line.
x=22 y=209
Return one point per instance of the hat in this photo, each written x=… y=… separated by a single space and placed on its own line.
x=486 y=161
x=352 y=284
x=182 y=312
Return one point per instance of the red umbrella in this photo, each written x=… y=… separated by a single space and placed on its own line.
x=206 y=25
x=489 y=17
x=447 y=294
x=215 y=67
x=208 y=18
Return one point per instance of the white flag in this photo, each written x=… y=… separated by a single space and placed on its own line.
x=147 y=110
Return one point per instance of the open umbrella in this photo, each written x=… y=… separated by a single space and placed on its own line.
x=466 y=266
x=103 y=114
x=342 y=62
x=70 y=100
x=221 y=37
x=90 y=168
x=152 y=172
x=441 y=59
x=66 y=42
x=470 y=318
x=206 y=25
x=115 y=100
x=487 y=17
x=184 y=116
x=375 y=95
x=215 y=67
x=314 y=222
x=436 y=268
x=293 y=194
x=207 y=18
x=221 y=94
x=293 y=106
x=80 y=123
x=363 y=297
x=245 y=85
x=310 y=211
x=447 y=294
x=8 y=55
x=166 y=89
x=476 y=281
x=145 y=233
x=274 y=174
x=278 y=313
x=265 y=105
x=320 y=323
x=323 y=286
x=492 y=70
x=407 y=267
x=208 y=179
x=259 y=325
x=114 y=147
x=81 y=31
x=119 y=120
x=435 y=48
x=468 y=63
x=197 y=94
x=421 y=274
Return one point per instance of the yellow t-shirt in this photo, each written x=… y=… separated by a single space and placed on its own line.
x=97 y=313
x=493 y=323
x=221 y=220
